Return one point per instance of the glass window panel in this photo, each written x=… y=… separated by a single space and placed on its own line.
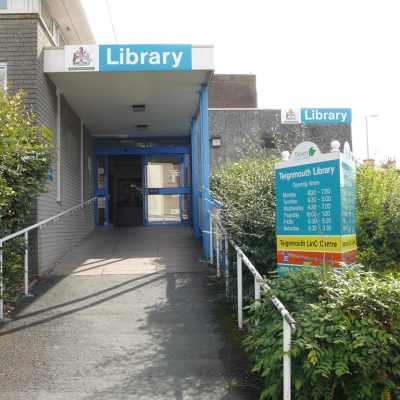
x=166 y=208
x=46 y=17
x=3 y=4
x=101 y=172
x=61 y=41
x=185 y=206
x=185 y=171
x=163 y=172
x=101 y=210
x=3 y=76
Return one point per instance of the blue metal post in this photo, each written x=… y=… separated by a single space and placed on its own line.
x=205 y=170
x=195 y=180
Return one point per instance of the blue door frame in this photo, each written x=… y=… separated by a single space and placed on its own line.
x=144 y=152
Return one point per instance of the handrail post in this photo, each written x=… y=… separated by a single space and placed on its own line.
x=211 y=238
x=257 y=294
x=218 y=245
x=226 y=266
x=239 y=290
x=26 y=267
x=287 y=338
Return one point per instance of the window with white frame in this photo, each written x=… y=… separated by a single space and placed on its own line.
x=61 y=41
x=46 y=17
x=3 y=76
x=3 y=4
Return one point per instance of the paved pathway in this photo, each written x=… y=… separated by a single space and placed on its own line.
x=126 y=315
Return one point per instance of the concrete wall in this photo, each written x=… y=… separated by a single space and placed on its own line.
x=22 y=39
x=240 y=130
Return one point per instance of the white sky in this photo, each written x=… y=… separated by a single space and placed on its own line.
x=305 y=53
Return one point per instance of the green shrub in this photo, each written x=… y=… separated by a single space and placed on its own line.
x=247 y=190
x=346 y=345
x=378 y=217
x=24 y=162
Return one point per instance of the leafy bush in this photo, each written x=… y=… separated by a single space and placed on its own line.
x=378 y=217
x=346 y=345
x=247 y=190
x=24 y=162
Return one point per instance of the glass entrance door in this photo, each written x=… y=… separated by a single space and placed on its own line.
x=167 y=189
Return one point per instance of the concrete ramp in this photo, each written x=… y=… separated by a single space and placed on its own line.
x=126 y=316
x=141 y=250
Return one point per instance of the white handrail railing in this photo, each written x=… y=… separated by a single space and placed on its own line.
x=288 y=322
x=25 y=232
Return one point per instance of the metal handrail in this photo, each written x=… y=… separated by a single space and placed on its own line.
x=25 y=232
x=289 y=322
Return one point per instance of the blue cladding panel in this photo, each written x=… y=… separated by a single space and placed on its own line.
x=195 y=180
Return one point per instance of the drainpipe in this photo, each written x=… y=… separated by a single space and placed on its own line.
x=58 y=146
x=82 y=162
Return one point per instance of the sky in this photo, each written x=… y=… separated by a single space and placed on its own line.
x=305 y=53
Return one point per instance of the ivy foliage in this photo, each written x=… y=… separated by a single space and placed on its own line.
x=378 y=217
x=346 y=345
x=24 y=163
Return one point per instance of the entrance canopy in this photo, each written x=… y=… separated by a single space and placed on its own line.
x=102 y=83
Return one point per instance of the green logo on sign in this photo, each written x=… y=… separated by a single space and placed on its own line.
x=312 y=151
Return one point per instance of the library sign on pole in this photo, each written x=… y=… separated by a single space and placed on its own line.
x=316 y=207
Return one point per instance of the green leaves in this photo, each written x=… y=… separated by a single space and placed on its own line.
x=24 y=162
x=378 y=217
x=346 y=345
x=247 y=190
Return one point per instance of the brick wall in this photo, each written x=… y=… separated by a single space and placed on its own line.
x=59 y=237
x=18 y=49
x=232 y=91
x=22 y=39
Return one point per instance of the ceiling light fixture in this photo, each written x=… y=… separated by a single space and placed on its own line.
x=139 y=107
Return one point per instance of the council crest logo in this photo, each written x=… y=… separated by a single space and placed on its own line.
x=81 y=58
x=291 y=115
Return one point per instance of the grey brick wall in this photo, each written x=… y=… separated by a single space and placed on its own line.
x=18 y=49
x=239 y=130
x=22 y=39
x=59 y=237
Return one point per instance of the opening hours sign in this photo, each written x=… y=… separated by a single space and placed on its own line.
x=316 y=207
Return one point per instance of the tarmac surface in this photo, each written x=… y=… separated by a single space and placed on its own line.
x=128 y=314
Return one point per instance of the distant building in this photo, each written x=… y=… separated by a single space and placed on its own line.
x=237 y=123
